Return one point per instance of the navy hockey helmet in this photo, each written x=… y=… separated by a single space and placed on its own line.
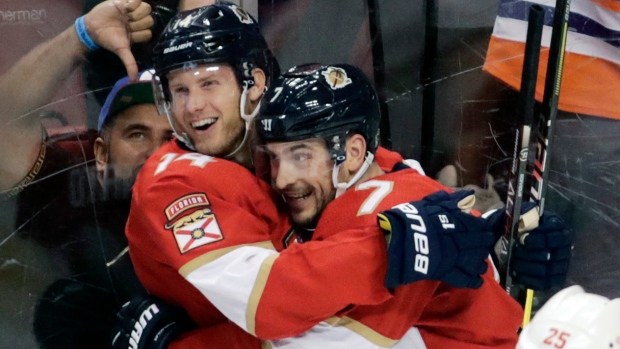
x=220 y=33
x=321 y=101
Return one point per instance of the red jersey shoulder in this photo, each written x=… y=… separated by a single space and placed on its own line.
x=387 y=159
x=171 y=163
x=409 y=185
x=383 y=192
x=359 y=205
x=199 y=199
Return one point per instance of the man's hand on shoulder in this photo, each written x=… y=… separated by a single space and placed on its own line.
x=436 y=239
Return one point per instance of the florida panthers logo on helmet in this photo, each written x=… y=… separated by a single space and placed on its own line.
x=336 y=77
x=324 y=101
x=243 y=16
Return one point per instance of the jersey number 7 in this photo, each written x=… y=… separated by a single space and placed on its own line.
x=381 y=190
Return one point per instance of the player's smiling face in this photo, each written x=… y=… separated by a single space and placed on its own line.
x=205 y=104
x=301 y=172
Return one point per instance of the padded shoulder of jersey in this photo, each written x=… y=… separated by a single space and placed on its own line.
x=171 y=165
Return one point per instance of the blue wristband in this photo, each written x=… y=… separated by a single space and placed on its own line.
x=80 y=27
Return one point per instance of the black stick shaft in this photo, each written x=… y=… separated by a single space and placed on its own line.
x=525 y=117
x=550 y=101
x=378 y=59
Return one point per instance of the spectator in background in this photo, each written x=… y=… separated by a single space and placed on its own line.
x=63 y=219
x=100 y=276
x=130 y=130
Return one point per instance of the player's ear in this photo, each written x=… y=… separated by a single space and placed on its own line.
x=356 y=152
x=101 y=154
x=260 y=81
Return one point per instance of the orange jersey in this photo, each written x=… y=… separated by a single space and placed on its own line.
x=591 y=74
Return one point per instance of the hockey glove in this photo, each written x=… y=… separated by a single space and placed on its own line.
x=541 y=255
x=149 y=323
x=433 y=239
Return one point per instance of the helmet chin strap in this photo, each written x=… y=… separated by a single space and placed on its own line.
x=341 y=187
x=246 y=117
x=182 y=136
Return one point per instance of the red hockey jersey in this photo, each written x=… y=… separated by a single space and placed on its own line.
x=190 y=210
x=444 y=316
x=339 y=276
x=200 y=238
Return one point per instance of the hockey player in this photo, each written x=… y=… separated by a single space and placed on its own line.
x=221 y=51
x=321 y=128
x=198 y=219
x=88 y=220
x=574 y=319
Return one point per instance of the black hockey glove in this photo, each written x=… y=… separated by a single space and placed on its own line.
x=148 y=323
x=541 y=255
x=433 y=239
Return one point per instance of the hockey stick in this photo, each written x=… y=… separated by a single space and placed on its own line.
x=550 y=102
x=378 y=64
x=546 y=121
x=525 y=118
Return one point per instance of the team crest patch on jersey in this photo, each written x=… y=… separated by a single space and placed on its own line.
x=243 y=16
x=336 y=77
x=185 y=203
x=196 y=229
